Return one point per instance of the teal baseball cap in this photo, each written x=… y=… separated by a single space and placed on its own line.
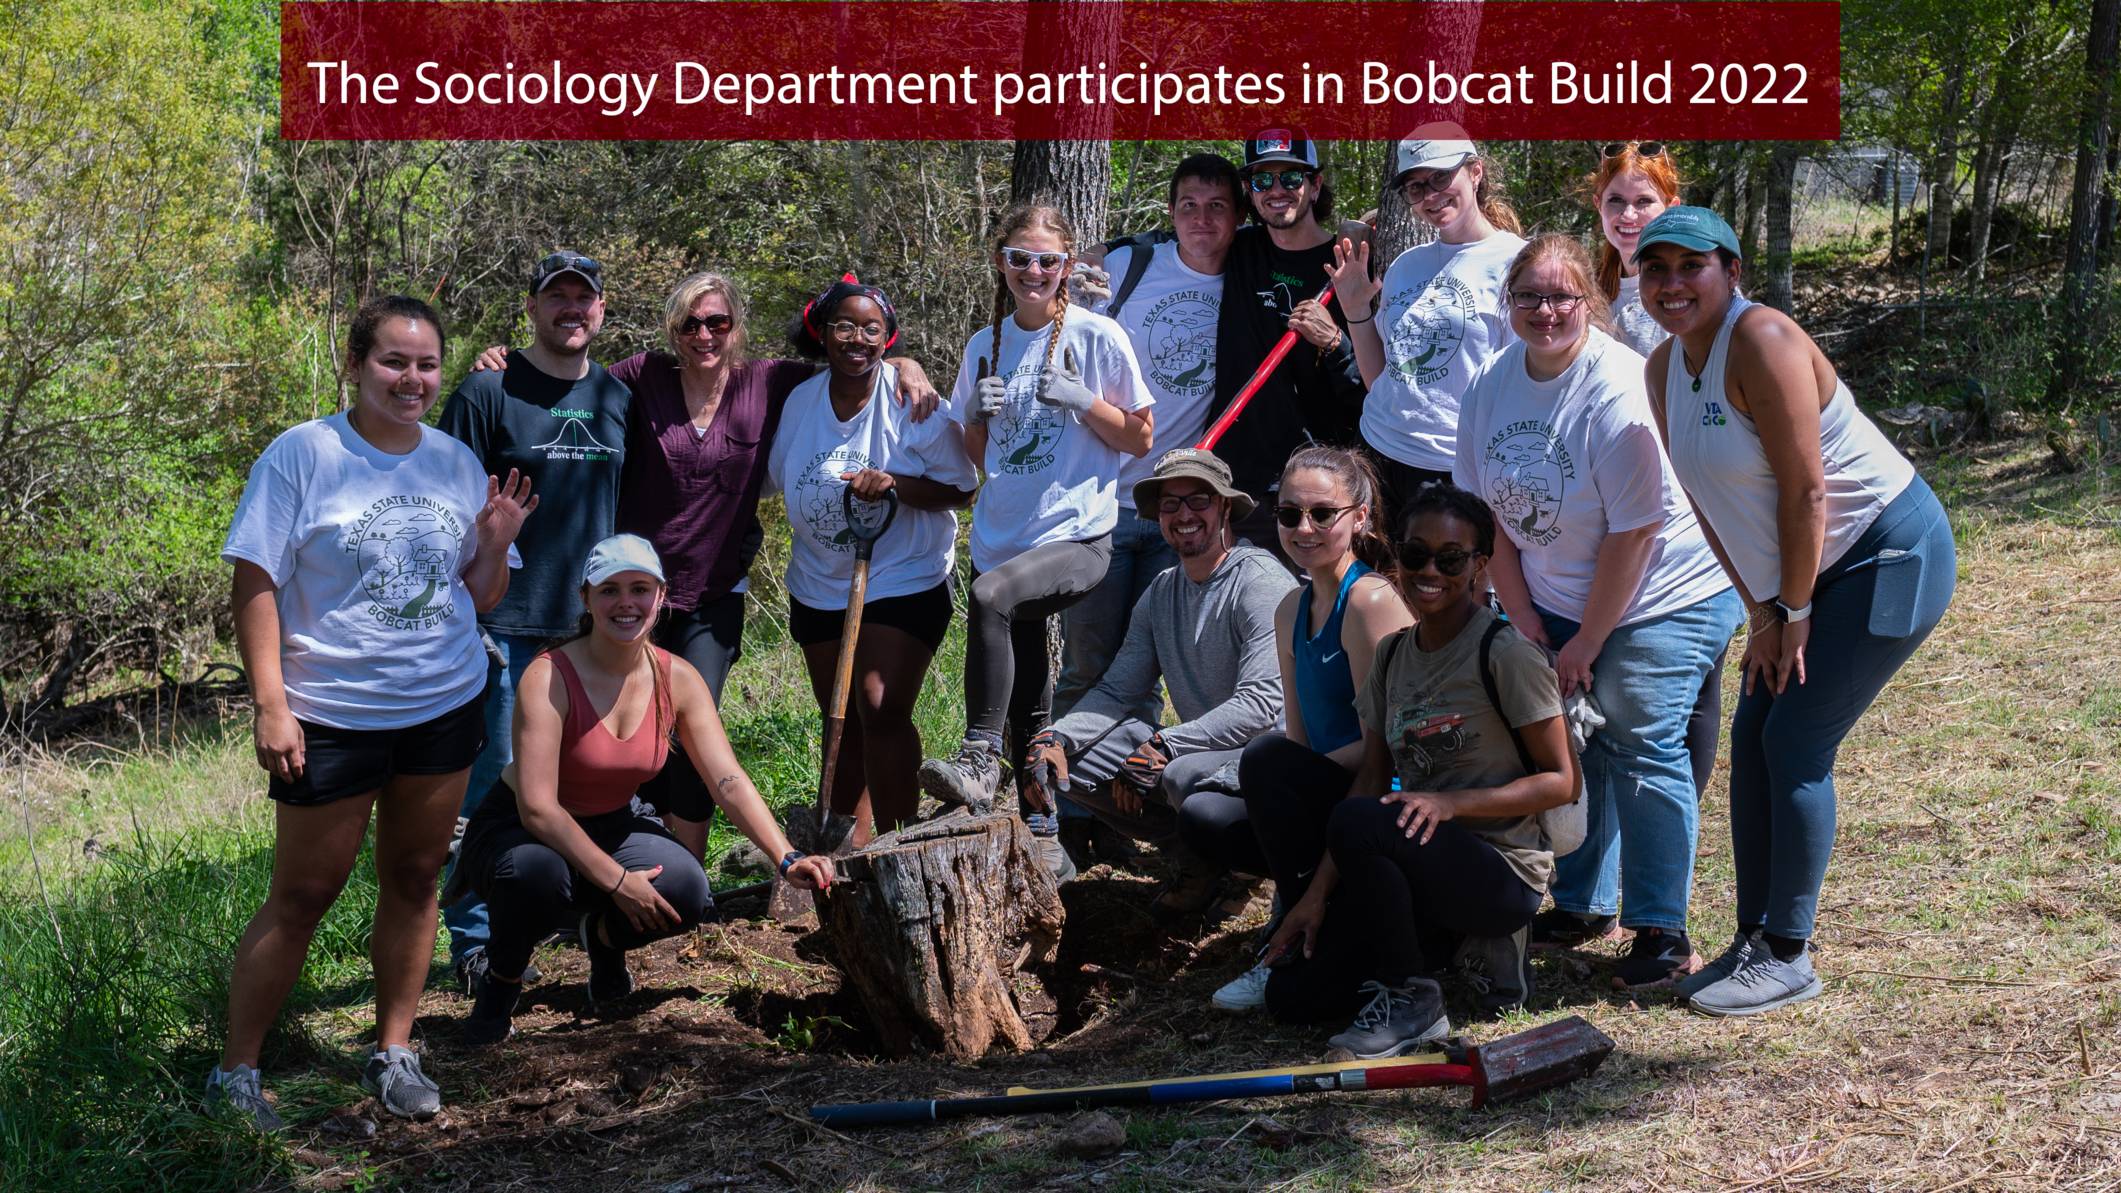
x=1695 y=228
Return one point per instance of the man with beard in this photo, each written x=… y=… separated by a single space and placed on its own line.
x=1206 y=630
x=558 y=418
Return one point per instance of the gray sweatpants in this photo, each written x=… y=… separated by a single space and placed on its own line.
x=1091 y=772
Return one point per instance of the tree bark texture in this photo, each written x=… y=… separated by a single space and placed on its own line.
x=933 y=929
x=1942 y=183
x=1777 y=289
x=2080 y=261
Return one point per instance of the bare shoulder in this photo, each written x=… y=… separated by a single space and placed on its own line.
x=540 y=687
x=1375 y=609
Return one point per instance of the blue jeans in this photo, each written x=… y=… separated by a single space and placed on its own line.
x=1869 y=613
x=1093 y=628
x=1637 y=857
x=466 y=918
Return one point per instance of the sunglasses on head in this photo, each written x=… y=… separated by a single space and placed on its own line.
x=1642 y=148
x=1451 y=561
x=575 y=261
x=1022 y=259
x=1291 y=180
x=1322 y=516
x=718 y=323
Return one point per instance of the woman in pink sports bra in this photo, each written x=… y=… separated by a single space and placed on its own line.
x=563 y=832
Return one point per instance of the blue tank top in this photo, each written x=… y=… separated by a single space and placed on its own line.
x=1325 y=684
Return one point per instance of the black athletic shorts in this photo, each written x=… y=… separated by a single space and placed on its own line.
x=924 y=616
x=338 y=763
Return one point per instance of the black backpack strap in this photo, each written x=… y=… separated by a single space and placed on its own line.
x=1141 y=250
x=1487 y=680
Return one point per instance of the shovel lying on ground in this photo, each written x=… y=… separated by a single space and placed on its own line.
x=1498 y=1071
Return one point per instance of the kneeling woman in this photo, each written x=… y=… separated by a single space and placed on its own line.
x=563 y=831
x=1458 y=851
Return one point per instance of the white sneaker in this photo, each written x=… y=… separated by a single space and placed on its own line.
x=1245 y=992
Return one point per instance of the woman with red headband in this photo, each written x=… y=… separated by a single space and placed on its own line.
x=841 y=431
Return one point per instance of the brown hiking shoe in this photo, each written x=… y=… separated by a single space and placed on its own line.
x=1188 y=895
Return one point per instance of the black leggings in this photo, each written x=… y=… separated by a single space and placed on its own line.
x=530 y=889
x=1703 y=724
x=1290 y=790
x=1216 y=825
x=1008 y=679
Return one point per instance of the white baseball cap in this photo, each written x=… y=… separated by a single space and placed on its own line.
x=1438 y=146
x=621 y=553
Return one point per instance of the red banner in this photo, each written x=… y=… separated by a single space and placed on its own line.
x=1084 y=69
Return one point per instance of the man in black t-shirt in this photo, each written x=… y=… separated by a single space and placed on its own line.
x=556 y=416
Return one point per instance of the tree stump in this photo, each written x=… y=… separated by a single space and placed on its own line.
x=933 y=928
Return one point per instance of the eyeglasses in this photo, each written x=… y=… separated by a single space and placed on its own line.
x=1197 y=502
x=848 y=329
x=1642 y=148
x=718 y=323
x=1263 y=181
x=562 y=261
x=1532 y=300
x=1436 y=183
x=1451 y=561
x=1023 y=259
x=1322 y=516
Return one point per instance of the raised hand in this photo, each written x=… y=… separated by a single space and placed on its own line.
x=508 y=503
x=1350 y=275
x=989 y=393
x=1062 y=386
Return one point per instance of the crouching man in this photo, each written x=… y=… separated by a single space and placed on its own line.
x=1205 y=629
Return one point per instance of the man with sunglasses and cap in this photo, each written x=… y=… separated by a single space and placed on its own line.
x=558 y=418
x=1205 y=630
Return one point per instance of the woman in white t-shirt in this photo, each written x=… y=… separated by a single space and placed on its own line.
x=1602 y=560
x=842 y=431
x=1632 y=185
x=365 y=546
x=1423 y=332
x=1051 y=401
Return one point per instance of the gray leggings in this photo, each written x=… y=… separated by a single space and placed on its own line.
x=1008 y=679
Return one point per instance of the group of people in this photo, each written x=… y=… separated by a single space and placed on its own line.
x=1432 y=636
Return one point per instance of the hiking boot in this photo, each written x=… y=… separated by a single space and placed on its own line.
x=1499 y=969
x=968 y=780
x=1189 y=894
x=394 y=1077
x=472 y=966
x=1763 y=982
x=1046 y=846
x=609 y=979
x=1245 y=992
x=1742 y=946
x=240 y=1088
x=1656 y=958
x=493 y=1008
x=1397 y=1020
x=1556 y=928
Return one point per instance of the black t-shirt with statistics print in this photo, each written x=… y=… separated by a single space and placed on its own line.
x=569 y=437
x=1319 y=394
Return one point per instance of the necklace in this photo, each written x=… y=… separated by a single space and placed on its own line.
x=1692 y=373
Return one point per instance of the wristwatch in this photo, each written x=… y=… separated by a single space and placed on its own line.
x=1786 y=615
x=793 y=856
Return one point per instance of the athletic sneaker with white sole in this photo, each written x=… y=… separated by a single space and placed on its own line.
x=1245 y=992
x=394 y=1077
x=1763 y=983
x=1396 y=1021
x=1726 y=964
x=241 y=1088
x=970 y=779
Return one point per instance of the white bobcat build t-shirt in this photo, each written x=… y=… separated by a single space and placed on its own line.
x=368 y=552
x=811 y=451
x=1442 y=315
x=1170 y=319
x=1050 y=479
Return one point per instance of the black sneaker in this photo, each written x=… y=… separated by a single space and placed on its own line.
x=1499 y=969
x=1656 y=958
x=971 y=778
x=493 y=1009
x=1396 y=1021
x=609 y=979
x=472 y=966
x=1555 y=928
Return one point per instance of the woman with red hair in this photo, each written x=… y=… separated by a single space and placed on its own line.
x=1632 y=185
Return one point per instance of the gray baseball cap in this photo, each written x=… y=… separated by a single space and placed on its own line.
x=621 y=553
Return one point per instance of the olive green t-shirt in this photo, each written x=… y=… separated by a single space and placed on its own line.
x=1446 y=735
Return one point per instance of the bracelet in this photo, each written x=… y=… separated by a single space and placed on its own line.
x=792 y=857
x=1363 y=320
x=621 y=882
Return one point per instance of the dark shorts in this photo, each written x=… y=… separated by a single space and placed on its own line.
x=922 y=616
x=339 y=763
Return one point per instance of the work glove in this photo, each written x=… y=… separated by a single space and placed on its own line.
x=988 y=394
x=1063 y=387
x=1088 y=285
x=1145 y=766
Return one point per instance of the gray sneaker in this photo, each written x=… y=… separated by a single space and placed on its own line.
x=239 y=1087
x=394 y=1077
x=1397 y=1020
x=968 y=780
x=1742 y=946
x=1047 y=848
x=1761 y=983
x=1499 y=969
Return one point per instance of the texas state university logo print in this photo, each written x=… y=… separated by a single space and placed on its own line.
x=819 y=496
x=1528 y=467
x=1027 y=432
x=1425 y=339
x=407 y=547
x=1180 y=335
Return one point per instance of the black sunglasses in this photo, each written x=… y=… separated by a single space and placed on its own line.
x=1263 y=181
x=1451 y=561
x=562 y=261
x=1322 y=516
x=717 y=323
x=1642 y=148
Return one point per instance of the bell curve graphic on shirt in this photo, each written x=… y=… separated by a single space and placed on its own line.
x=573 y=440
x=406 y=547
x=1526 y=489
x=1180 y=334
x=1425 y=340
x=1027 y=432
x=818 y=493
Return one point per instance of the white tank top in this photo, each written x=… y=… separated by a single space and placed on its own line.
x=1716 y=451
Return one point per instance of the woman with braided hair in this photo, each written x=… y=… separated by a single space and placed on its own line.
x=1050 y=399
x=841 y=431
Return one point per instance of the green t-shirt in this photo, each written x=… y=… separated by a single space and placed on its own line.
x=1446 y=735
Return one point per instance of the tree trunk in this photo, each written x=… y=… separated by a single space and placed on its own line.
x=1944 y=163
x=1999 y=133
x=1074 y=175
x=1756 y=182
x=2109 y=222
x=934 y=927
x=1776 y=285
x=2080 y=262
